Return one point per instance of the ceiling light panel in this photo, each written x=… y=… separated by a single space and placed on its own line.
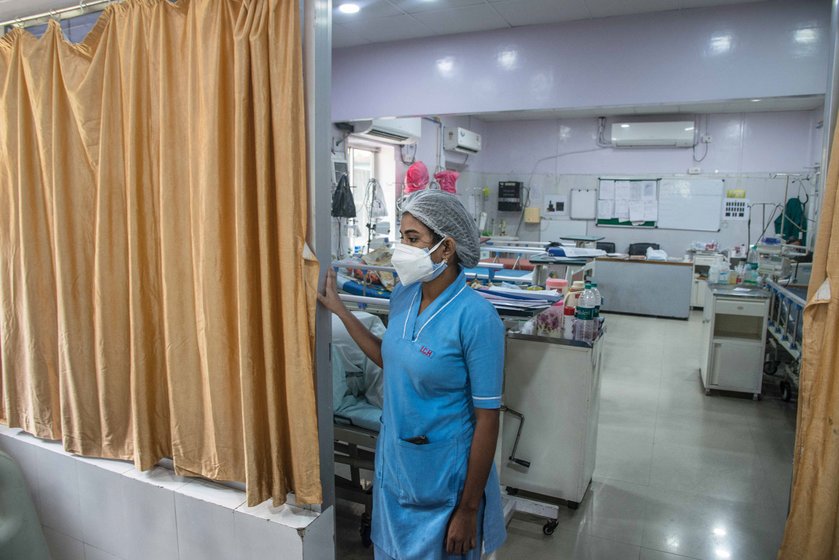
x=536 y=12
x=415 y=6
x=462 y=20
x=607 y=8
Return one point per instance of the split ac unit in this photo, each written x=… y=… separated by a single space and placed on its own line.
x=675 y=134
x=392 y=131
x=462 y=140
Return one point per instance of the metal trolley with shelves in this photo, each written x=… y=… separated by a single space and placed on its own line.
x=549 y=432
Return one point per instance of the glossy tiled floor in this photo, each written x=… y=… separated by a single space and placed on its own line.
x=679 y=474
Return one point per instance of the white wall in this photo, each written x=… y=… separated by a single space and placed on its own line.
x=746 y=150
x=97 y=509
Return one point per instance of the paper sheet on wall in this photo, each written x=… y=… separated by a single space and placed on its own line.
x=605 y=209
x=650 y=210
x=636 y=211
x=649 y=190
x=607 y=190
x=636 y=191
x=622 y=210
x=622 y=190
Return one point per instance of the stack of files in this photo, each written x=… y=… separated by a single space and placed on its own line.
x=521 y=300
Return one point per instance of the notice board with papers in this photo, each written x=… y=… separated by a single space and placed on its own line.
x=627 y=202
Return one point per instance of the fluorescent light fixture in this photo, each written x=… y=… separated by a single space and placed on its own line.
x=720 y=531
x=755 y=100
x=349 y=8
x=688 y=129
x=624 y=125
x=723 y=553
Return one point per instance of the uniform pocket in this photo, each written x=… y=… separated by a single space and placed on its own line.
x=425 y=475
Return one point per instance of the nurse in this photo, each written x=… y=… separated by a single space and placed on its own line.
x=436 y=493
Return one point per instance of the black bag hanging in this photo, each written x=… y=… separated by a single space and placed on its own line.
x=343 y=205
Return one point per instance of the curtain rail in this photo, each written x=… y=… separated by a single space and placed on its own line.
x=70 y=11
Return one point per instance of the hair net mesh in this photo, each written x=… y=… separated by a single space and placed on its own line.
x=444 y=214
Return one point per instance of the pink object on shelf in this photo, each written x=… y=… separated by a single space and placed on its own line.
x=416 y=178
x=447 y=180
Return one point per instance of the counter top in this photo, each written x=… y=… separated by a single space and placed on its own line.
x=738 y=290
x=644 y=261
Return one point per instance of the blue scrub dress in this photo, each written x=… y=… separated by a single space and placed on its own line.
x=439 y=365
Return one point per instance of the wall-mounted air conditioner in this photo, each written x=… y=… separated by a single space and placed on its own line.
x=462 y=140
x=675 y=134
x=392 y=131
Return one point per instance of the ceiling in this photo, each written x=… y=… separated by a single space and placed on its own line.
x=392 y=20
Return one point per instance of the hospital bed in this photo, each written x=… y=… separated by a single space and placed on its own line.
x=786 y=325
x=357 y=409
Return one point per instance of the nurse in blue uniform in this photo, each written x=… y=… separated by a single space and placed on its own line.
x=436 y=493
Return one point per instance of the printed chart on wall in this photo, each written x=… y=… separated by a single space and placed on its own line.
x=628 y=203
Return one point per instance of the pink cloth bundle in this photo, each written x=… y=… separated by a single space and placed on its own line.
x=416 y=178
x=447 y=180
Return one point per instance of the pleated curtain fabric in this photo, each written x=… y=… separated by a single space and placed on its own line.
x=157 y=292
x=812 y=529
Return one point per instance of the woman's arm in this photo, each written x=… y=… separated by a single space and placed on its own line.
x=369 y=343
x=462 y=532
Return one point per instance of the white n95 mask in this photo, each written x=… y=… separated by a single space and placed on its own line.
x=414 y=264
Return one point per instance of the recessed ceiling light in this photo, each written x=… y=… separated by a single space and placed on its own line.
x=349 y=8
x=624 y=125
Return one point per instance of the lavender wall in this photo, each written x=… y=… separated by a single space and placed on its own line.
x=746 y=150
x=741 y=142
x=763 y=49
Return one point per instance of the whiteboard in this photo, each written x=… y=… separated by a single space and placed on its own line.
x=583 y=204
x=692 y=204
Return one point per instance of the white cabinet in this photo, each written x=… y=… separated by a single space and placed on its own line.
x=555 y=385
x=734 y=333
x=697 y=294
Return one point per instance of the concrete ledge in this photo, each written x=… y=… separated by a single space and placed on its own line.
x=105 y=509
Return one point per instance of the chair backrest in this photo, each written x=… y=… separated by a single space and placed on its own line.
x=607 y=246
x=641 y=248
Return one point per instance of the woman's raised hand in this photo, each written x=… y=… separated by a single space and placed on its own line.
x=329 y=296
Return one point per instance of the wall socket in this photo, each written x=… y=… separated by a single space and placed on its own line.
x=705 y=139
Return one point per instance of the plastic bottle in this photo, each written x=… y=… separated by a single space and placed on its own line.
x=598 y=301
x=714 y=274
x=568 y=323
x=751 y=275
x=584 y=317
x=724 y=273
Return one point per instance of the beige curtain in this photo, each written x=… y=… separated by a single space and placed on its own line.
x=155 y=296
x=812 y=530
